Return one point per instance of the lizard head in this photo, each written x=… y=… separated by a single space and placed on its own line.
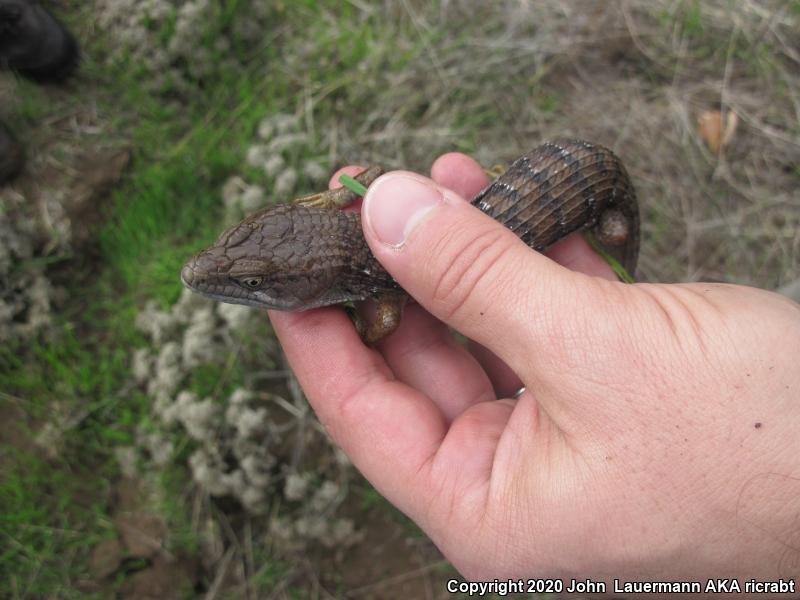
x=255 y=264
x=214 y=276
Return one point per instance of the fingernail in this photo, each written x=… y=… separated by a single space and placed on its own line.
x=396 y=203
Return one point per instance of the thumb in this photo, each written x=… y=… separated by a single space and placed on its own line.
x=473 y=273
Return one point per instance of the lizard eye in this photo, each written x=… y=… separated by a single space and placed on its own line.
x=251 y=282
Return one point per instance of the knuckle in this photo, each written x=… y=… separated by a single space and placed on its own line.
x=473 y=265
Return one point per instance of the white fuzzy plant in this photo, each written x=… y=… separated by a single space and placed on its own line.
x=237 y=440
x=179 y=58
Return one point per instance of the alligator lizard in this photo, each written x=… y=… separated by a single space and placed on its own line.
x=308 y=253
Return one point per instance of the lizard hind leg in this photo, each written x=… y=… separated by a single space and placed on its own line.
x=388 y=312
x=612 y=228
x=618 y=236
x=341 y=196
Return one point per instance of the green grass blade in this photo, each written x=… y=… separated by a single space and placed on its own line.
x=353 y=185
x=618 y=269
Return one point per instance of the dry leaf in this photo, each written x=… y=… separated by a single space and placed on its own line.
x=717 y=128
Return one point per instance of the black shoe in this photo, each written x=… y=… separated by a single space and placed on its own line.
x=12 y=156
x=34 y=44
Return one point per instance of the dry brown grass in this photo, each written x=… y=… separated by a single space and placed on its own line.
x=495 y=80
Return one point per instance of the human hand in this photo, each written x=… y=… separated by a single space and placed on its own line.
x=658 y=436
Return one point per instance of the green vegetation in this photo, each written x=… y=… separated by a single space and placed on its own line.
x=352 y=185
x=167 y=207
x=390 y=84
x=42 y=526
x=169 y=202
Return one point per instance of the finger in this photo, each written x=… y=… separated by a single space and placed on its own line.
x=573 y=253
x=463 y=466
x=393 y=434
x=471 y=272
x=390 y=431
x=576 y=254
x=460 y=173
x=505 y=382
x=423 y=354
x=352 y=171
x=465 y=176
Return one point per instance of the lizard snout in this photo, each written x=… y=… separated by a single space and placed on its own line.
x=205 y=267
x=187 y=273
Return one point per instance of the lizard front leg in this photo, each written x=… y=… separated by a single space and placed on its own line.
x=342 y=196
x=387 y=318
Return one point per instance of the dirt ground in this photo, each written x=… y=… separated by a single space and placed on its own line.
x=615 y=75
